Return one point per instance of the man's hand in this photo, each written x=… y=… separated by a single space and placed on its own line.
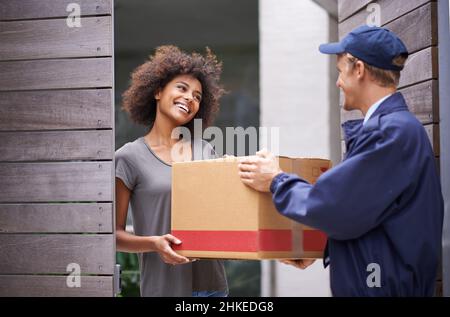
x=258 y=171
x=300 y=263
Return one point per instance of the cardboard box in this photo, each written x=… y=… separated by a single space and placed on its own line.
x=217 y=216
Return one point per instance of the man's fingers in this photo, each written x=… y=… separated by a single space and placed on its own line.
x=247 y=168
x=246 y=175
x=248 y=182
x=249 y=160
x=263 y=153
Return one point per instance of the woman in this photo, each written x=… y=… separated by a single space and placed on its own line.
x=169 y=91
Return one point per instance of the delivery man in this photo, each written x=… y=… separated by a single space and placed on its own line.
x=382 y=207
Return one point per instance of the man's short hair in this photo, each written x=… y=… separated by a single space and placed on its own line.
x=385 y=78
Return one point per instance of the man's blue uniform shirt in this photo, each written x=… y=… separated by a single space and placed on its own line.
x=382 y=205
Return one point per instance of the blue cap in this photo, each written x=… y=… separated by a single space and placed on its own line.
x=376 y=46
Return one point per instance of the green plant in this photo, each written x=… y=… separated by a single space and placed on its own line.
x=130 y=274
x=244 y=278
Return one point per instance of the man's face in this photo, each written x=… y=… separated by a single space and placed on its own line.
x=348 y=82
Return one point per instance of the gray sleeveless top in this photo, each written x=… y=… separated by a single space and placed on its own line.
x=149 y=180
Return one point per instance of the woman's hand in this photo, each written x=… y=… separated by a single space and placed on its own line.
x=163 y=247
x=300 y=263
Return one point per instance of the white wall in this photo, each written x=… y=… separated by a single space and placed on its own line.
x=295 y=84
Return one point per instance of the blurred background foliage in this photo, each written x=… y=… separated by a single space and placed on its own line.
x=243 y=276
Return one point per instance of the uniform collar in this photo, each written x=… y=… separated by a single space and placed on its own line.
x=374 y=107
x=393 y=103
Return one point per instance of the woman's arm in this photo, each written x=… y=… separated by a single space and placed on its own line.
x=127 y=242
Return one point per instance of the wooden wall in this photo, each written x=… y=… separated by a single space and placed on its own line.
x=56 y=148
x=415 y=22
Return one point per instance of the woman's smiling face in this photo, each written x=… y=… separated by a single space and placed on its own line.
x=180 y=99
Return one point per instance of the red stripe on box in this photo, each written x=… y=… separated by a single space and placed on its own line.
x=246 y=241
x=238 y=241
x=275 y=240
x=314 y=240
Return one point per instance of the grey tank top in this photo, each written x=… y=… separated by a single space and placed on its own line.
x=149 y=180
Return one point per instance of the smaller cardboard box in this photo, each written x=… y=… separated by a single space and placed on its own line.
x=216 y=216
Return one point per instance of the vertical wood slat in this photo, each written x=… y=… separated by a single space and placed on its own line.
x=54 y=286
x=56 y=146
x=56 y=182
x=33 y=9
x=54 y=39
x=56 y=74
x=432 y=131
x=444 y=125
x=30 y=253
x=56 y=218
x=56 y=109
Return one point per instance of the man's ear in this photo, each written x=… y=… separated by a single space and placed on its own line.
x=360 y=69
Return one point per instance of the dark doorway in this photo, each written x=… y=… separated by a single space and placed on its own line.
x=230 y=29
